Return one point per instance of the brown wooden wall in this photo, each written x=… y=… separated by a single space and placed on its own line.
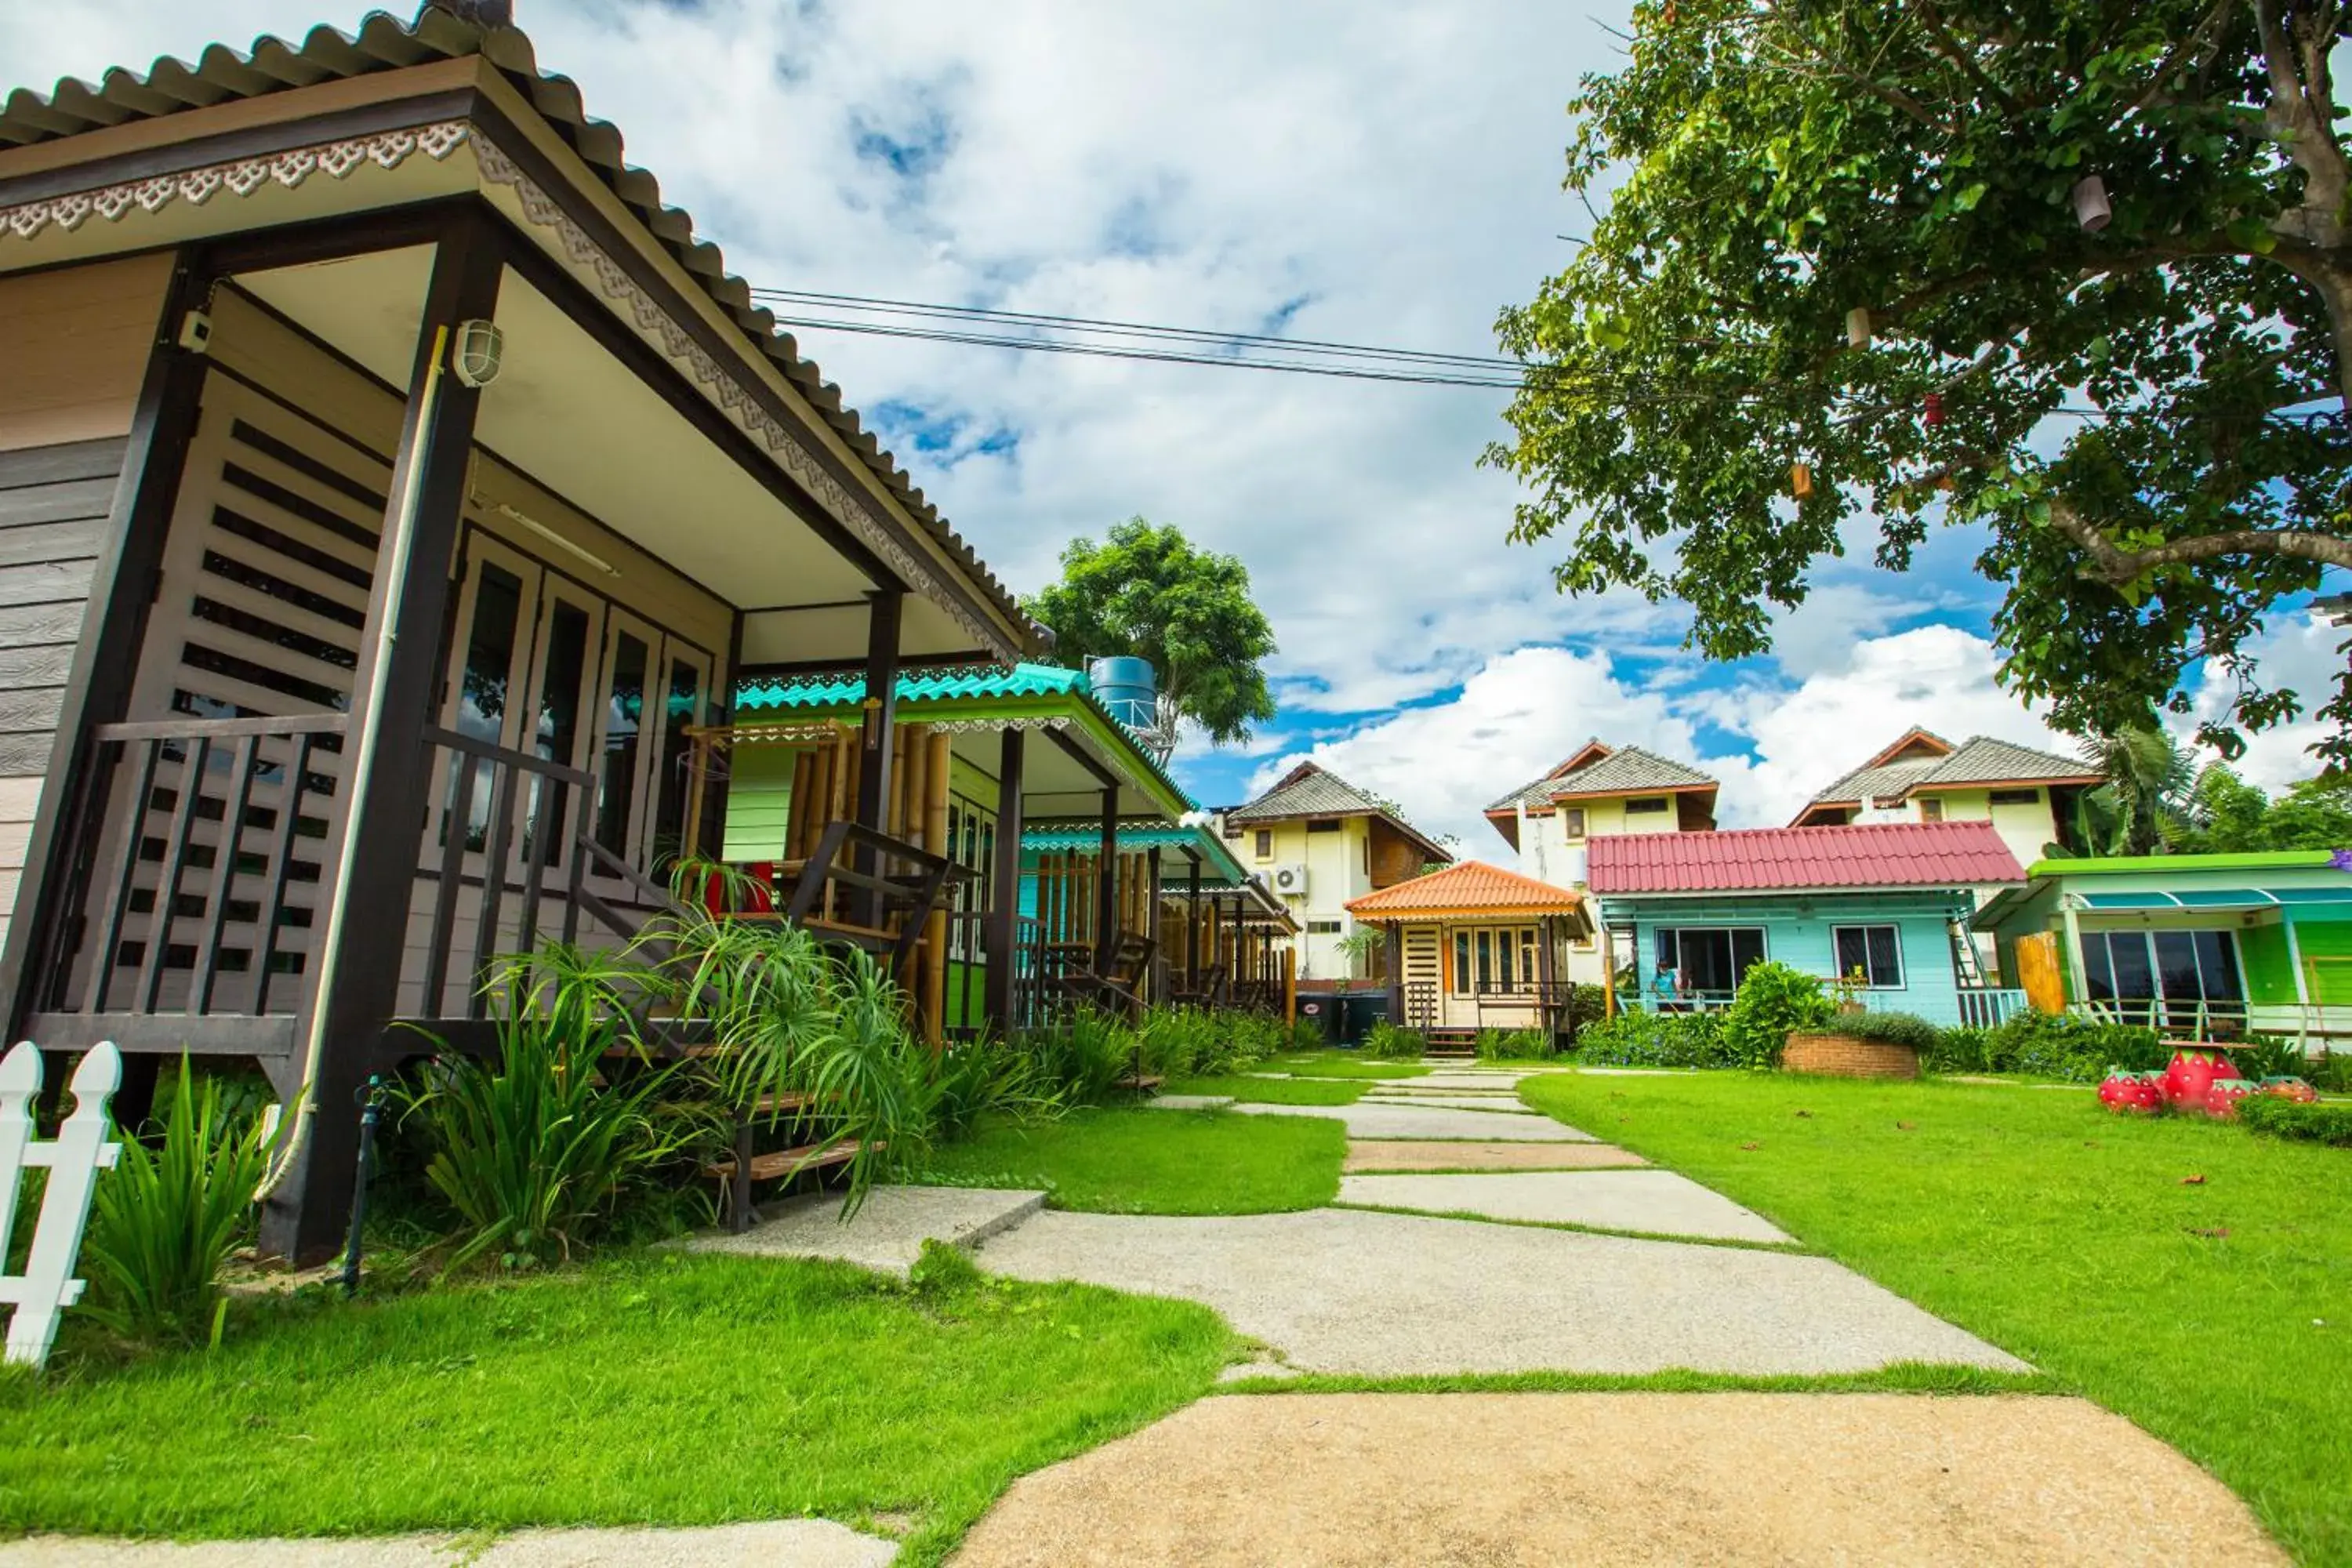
x=75 y=344
x=1396 y=857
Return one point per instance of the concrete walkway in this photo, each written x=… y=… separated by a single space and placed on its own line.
x=1393 y=1295
x=1501 y=1481
x=1367 y=1118
x=1658 y=1203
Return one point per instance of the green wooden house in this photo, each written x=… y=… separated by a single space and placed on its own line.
x=2193 y=942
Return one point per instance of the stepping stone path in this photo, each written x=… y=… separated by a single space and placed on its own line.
x=1375 y=1118
x=1397 y=1154
x=1188 y=1101
x=887 y=1232
x=1490 y=1104
x=1347 y=1291
x=1659 y=1202
x=1340 y=1479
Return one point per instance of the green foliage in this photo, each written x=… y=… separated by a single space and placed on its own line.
x=1128 y=1159
x=1306 y=1035
x=592 y=1398
x=2063 y=1235
x=1146 y=591
x=535 y=1147
x=1638 y=1038
x=972 y=1078
x=1773 y=999
x=164 y=1220
x=1892 y=1028
x=1768 y=170
x=2143 y=807
x=1080 y=1056
x=1586 y=1004
x=2324 y=1121
x=1514 y=1045
x=2228 y=816
x=2050 y=1044
x=1389 y=1042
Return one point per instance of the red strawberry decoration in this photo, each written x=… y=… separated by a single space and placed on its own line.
x=2288 y=1087
x=2191 y=1077
x=2221 y=1100
x=2132 y=1093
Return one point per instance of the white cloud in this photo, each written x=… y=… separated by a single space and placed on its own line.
x=2305 y=653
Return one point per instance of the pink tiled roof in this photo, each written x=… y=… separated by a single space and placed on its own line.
x=1762 y=860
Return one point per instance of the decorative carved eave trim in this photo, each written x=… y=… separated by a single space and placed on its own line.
x=726 y=386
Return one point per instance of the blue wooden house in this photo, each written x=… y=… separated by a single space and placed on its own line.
x=1688 y=912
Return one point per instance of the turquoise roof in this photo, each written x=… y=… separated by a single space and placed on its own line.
x=956 y=683
x=1054 y=838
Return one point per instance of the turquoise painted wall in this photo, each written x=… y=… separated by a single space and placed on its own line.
x=1797 y=933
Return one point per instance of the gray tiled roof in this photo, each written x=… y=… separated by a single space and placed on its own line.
x=1629 y=769
x=1980 y=759
x=1310 y=790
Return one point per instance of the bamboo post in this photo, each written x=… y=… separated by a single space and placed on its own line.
x=935 y=769
x=1289 y=987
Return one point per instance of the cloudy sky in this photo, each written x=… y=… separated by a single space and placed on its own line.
x=1385 y=174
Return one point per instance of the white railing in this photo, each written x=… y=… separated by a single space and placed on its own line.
x=47 y=1288
x=1987 y=1006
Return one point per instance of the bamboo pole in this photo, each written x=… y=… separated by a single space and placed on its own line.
x=935 y=839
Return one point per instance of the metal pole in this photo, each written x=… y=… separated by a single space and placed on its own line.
x=371 y=1112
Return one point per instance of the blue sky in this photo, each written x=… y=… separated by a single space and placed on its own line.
x=1385 y=174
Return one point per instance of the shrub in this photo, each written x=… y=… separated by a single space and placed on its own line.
x=1081 y=1057
x=1514 y=1045
x=1656 y=1039
x=1773 y=1000
x=1387 y=1042
x=2051 y=1044
x=1586 y=1004
x=164 y=1220
x=1179 y=1042
x=1892 y=1028
x=971 y=1078
x=2260 y=1056
x=2326 y=1122
x=535 y=1147
x=1307 y=1035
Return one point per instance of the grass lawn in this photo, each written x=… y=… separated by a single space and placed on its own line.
x=1275 y=1090
x=1343 y=1064
x=648 y=1389
x=1134 y=1161
x=2217 y=1315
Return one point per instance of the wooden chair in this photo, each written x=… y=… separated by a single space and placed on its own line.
x=1118 y=986
x=1203 y=993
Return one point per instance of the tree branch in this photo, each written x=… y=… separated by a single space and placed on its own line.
x=2114 y=566
x=1943 y=42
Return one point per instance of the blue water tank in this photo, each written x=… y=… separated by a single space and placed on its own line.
x=1128 y=687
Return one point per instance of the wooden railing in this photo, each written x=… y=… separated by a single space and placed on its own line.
x=197 y=878
x=471 y=858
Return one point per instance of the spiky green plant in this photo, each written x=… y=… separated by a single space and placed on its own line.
x=535 y=1147
x=164 y=1220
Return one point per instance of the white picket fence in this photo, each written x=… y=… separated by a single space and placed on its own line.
x=81 y=1150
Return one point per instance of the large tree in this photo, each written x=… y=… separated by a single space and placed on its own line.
x=1147 y=593
x=2078 y=271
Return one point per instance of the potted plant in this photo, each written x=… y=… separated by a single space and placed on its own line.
x=1849 y=988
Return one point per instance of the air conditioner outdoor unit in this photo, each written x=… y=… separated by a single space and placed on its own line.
x=1290 y=880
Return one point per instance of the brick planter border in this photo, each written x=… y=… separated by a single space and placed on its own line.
x=1834 y=1054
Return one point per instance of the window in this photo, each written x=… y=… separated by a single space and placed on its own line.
x=1571 y=821
x=1931 y=809
x=619 y=783
x=1709 y=960
x=1650 y=805
x=2015 y=798
x=1322 y=928
x=1874 y=951
x=1264 y=847
x=1329 y=825
x=2183 y=970
x=1495 y=961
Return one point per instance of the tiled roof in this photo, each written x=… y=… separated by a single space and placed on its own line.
x=385 y=42
x=1308 y=790
x=1472 y=888
x=955 y=683
x=1625 y=770
x=1980 y=760
x=1763 y=860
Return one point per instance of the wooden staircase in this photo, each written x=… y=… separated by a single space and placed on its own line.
x=1452 y=1043
x=810 y=1145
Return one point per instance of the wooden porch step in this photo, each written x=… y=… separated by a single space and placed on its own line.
x=773 y=1104
x=791 y=1162
x=1142 y=1083
x=852 y=932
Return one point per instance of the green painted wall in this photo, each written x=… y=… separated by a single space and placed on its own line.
x=2270 y=972
x=759 y=803
x=2331 y=981
x=969 y=782
x=966 y=998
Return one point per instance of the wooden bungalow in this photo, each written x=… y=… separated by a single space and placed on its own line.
x=981 y=752
x=1476 y=947
x=390 y=484
x=1216 y=936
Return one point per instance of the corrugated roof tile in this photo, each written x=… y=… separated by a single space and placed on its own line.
x=1765 y=860
x=1473 y=885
